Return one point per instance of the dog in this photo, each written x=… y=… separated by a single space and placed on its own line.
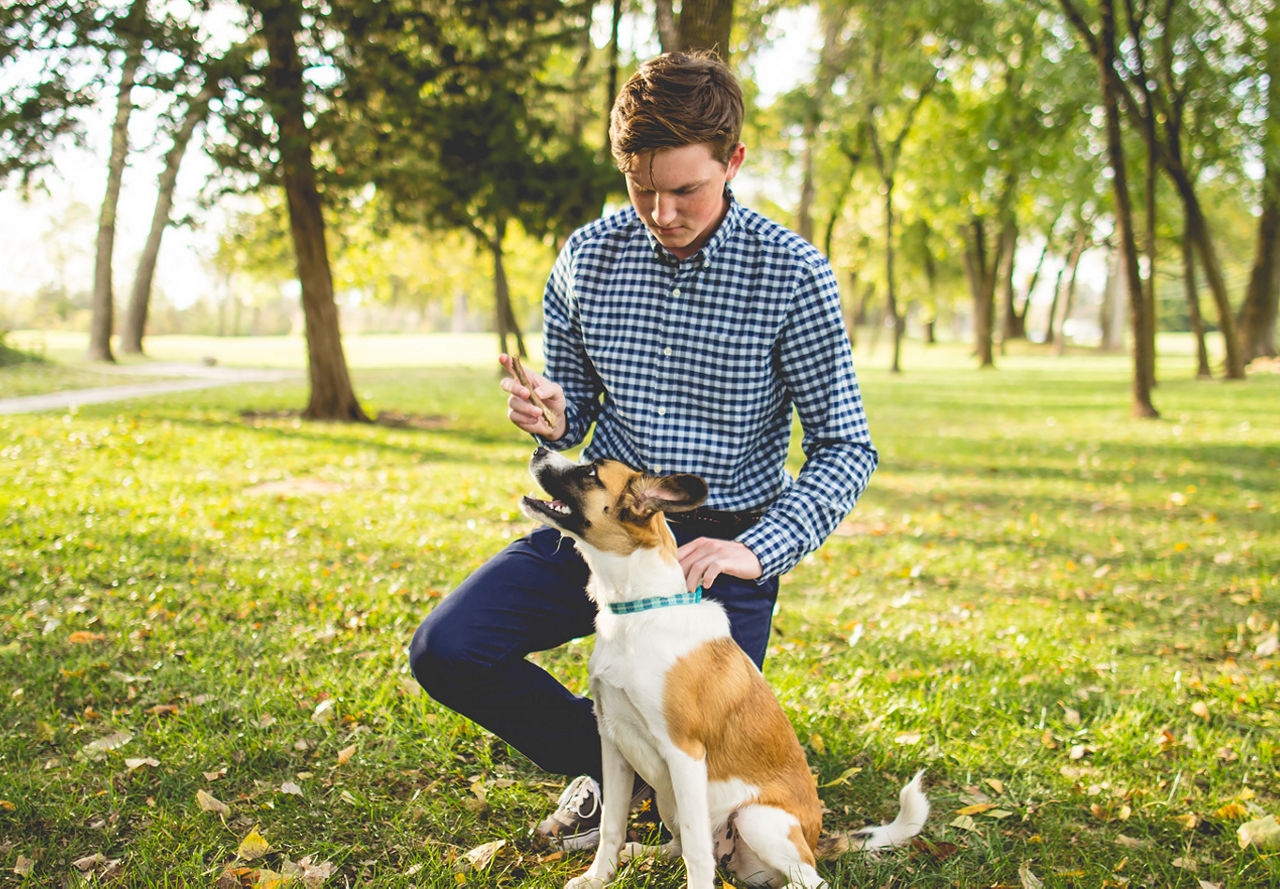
x=678 y=702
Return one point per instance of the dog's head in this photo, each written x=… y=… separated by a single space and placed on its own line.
x=607 y=504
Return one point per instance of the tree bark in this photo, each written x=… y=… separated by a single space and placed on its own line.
x=1262 y=299
x=332 y=396
x=1193 y=305
x=981 y=273
x=665 y=24
x=135 y=321
x=103 y=319
x=705 y=24
x=504 y=315
x=1106 y=57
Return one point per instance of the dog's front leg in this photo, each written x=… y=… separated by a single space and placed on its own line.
x=618 y=779
x=689 y=783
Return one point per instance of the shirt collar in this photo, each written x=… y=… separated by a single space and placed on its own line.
x=724 y=231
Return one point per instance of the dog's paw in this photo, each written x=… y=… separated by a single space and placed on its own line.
x=586 y=882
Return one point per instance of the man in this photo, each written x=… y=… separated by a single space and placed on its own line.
x=685 y=329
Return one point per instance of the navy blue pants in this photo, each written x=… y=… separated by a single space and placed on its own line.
x=470 y=653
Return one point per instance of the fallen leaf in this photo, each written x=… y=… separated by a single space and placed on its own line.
x=89 y=862
x=1201 y=709
x=1232 y=812
x=345 y=754
x=94 y=749
x=976 y=809
x=290 y=787
x=209 y=804
x=964 y=822
x=995 y=784
x=1187 y=821
x=313 y=875
x=253 y=846
x=908 y=738
x=481 y=856
x=1261 y=832
x=844 y=776
x=84 y=637
x=138 y=762
x=24 y=866
x=1027 y=878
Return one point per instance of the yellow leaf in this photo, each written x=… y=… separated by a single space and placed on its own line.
x=976 y=809
x=1187 y=821
x=253 y=846
x=844 y=776
x=1232 y=812
x=84 y=637
x=209 y=804
x=995 y=784
x=346 y=754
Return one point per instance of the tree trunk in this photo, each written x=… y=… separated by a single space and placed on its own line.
x=1142 y=405
x=332 y=396
x=895 y=315
x=135 y=321
x=1258 y=314
x=982 y=286
x=705 y=24
x=1198 y=231
x=504 y=315
x=103 y=320
x=1193 y=305
x=665 y=23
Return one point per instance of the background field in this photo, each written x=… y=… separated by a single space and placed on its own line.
x=1068 y=617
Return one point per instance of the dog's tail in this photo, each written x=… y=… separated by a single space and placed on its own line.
x=913 y=811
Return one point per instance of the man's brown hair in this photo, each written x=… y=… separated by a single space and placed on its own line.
x=674 y=100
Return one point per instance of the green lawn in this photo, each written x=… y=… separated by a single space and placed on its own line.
x=1066 y=616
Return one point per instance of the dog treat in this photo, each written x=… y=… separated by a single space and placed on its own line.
x=518 y=369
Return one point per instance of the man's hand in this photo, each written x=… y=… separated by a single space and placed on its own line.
x=523 y=412
x=705 y=558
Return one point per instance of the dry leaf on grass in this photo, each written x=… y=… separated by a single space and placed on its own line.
x=253 y=846
x=209 y=804
x=1263 y=833
x=481 y=856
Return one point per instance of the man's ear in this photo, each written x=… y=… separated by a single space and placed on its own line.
x=672 y=493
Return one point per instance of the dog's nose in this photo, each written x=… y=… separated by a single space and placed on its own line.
x=540 y=451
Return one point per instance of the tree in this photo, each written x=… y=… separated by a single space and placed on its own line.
x=332 y=396
x=703 y=24
x=131 y=30
x=1102 y=45
x=456 y=122
x=135 y=321
x=1258 y=314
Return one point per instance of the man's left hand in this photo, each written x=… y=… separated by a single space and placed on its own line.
x=706 y=558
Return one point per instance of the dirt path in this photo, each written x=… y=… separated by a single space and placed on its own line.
x=191 y=377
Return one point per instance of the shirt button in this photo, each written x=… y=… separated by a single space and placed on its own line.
x=675 y=291
x=667 y=351
x=662 y=412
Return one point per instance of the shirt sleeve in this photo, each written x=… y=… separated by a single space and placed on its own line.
x=816 y=366
x=565 y=352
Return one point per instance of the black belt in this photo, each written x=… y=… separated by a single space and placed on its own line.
x=719 y=523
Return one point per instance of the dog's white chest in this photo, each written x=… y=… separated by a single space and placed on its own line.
x=629 y=665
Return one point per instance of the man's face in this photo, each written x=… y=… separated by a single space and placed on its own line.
x=679 y=194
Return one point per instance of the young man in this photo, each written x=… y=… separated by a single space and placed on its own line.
x=685 y=329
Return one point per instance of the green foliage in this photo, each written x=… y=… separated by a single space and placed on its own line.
x=1065 y=616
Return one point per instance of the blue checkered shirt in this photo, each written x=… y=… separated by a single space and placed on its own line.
x=696 y=366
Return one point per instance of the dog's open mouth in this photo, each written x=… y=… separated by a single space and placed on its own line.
x=557 y=506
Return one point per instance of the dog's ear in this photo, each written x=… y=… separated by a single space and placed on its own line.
x=672 y=493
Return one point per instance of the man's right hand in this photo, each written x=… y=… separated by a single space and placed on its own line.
x=523 y=412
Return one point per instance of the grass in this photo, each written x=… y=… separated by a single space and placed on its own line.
x=1066 y=616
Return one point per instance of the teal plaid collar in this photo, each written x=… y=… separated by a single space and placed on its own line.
x=635 y=606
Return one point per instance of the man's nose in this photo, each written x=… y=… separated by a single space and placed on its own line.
x=664 y=209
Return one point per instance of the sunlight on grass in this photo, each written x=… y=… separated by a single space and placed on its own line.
x=1066 y=616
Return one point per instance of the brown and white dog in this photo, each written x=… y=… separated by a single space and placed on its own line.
x=678 y=702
